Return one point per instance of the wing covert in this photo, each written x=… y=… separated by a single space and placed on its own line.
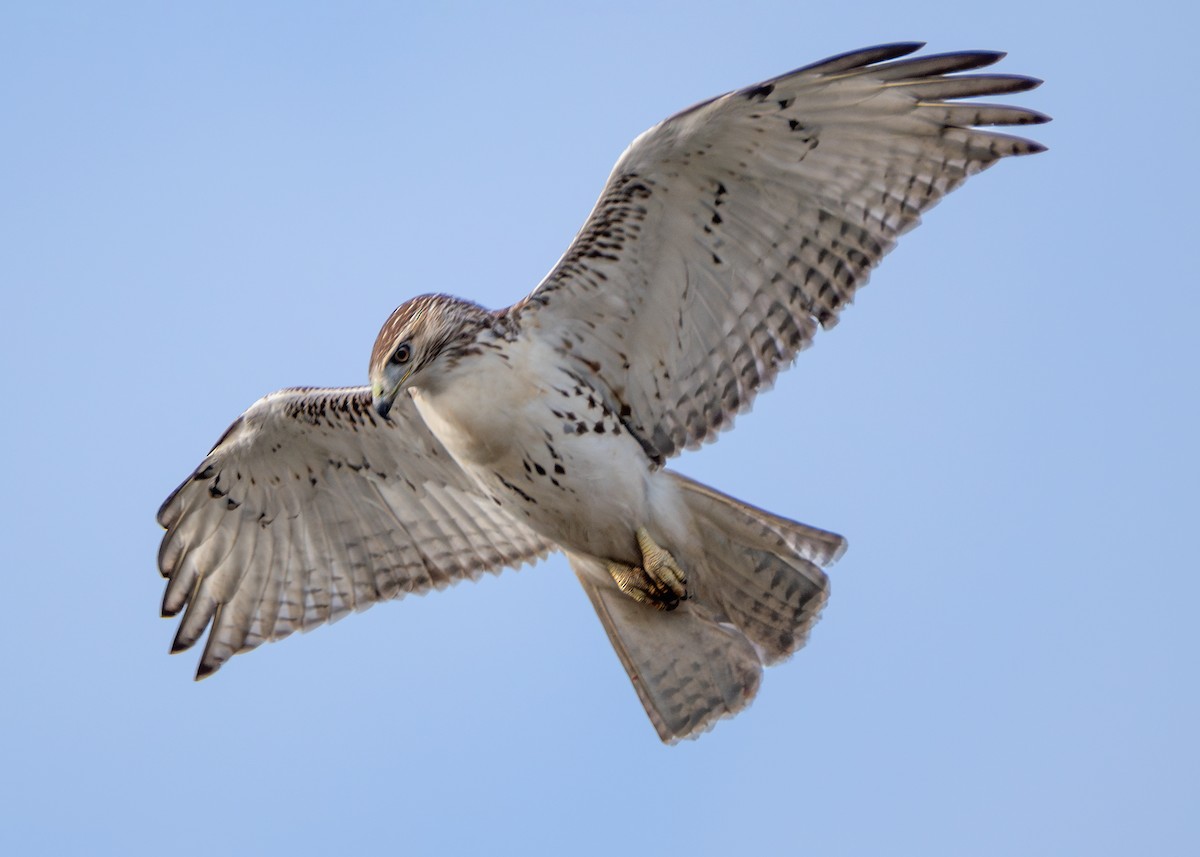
x=728 y=233
x=310 y=506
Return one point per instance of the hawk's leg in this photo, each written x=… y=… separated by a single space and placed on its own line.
x=658 y=581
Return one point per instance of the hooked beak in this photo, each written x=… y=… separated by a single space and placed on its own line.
x=381 y=400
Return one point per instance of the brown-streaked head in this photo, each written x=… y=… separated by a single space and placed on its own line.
x=413 y=337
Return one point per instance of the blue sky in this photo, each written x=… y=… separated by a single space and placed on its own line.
x=201 y=203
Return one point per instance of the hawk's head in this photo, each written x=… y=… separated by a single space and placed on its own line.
x=419 y=332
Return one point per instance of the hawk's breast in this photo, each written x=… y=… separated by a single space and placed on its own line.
x=545 y=446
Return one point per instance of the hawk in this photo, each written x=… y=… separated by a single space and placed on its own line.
x=725 y=237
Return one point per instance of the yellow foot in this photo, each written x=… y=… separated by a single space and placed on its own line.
x=658 y=581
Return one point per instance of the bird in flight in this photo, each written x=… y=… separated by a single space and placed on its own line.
x=725 y=237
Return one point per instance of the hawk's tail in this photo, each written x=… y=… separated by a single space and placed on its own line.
x=756 y=588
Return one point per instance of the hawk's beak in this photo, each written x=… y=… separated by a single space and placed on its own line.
x=382 y=401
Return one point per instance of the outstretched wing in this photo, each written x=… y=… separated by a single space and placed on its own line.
x=310 y=506
x=729 y=232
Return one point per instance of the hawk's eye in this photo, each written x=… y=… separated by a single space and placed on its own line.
x=403 y=354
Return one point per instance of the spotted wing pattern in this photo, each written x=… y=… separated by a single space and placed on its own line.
x=310 y=506
x=728 y=233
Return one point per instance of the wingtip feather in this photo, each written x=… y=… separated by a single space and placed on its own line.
x=862 y=57
x=169 y=552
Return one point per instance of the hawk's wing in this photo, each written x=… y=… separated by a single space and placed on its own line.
x=727 y=233
x=310 y=506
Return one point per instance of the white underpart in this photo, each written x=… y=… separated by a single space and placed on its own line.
x=494 y=418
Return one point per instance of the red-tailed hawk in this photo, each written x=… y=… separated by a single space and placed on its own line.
x=725 y=238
